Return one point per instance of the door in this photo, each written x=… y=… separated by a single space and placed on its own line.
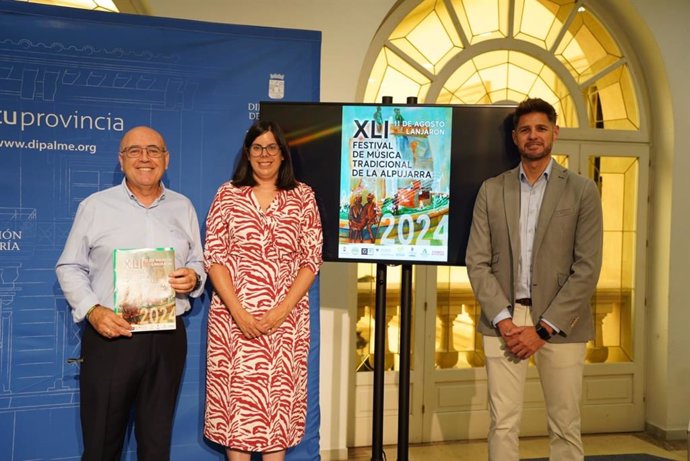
x=448 y=380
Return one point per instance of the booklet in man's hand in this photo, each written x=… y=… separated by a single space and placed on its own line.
x=143 y=295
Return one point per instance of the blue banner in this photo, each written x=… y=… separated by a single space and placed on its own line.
x=71 y=83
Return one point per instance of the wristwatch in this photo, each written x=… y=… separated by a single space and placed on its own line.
x=198 y=282
x=542 y=332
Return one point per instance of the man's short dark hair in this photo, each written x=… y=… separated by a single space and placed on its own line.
x=530 y=105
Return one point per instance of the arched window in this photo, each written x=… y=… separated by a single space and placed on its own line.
x=494 y=51
x=111 y=6
x=98 y=5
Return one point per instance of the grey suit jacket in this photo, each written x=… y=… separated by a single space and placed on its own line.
x=566 y=253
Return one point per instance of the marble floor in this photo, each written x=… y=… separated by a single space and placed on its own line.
x=535 y=447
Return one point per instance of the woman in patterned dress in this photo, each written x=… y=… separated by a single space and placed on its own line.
x=262 y=252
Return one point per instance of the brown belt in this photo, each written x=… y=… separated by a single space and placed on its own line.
x=524 y=301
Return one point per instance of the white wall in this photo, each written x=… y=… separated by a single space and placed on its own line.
x=659 y=32
x=668 y=301
x=347 y=28
x=336 y=343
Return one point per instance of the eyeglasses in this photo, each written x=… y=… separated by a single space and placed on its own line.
x=153 y=151
x=257 y=149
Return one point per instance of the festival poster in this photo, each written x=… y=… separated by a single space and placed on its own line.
x=143 y=295
x=395 y=183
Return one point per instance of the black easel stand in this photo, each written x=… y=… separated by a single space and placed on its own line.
x=405 y=341
x=379 y=359
x=379 y=354
x=404 y=379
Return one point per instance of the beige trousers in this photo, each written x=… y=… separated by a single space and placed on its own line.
x=560 y=368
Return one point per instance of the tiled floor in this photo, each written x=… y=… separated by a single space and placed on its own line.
x=534 y=447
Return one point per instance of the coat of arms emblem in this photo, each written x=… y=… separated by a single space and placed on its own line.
x=276 y=86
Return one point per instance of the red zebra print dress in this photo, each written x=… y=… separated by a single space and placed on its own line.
x=256 y=389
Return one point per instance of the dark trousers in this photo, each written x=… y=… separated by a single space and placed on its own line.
x=141 y=373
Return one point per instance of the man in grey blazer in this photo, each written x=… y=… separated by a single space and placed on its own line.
x=533 y=259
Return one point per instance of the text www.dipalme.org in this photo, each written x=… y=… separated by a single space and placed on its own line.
x=40 y=146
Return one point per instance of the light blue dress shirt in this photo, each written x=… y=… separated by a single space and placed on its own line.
x=114 y=218
x=531 y=197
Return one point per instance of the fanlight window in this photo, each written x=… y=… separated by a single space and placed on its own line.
x=99 y=5
x=498 y=51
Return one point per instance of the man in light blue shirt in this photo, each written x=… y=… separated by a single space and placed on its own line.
x=122 y=370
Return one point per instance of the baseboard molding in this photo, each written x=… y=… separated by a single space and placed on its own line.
x=662 y=434
x=338 y=454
